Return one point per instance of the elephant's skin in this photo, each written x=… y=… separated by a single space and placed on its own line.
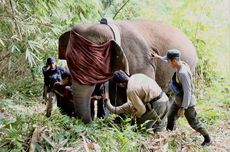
x=139 y=38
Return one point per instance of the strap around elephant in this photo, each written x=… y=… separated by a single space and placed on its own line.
x=114 y=28
x=117 y=38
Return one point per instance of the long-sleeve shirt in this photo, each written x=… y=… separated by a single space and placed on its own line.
x=184 y=76
x=52 y=75
x=126 y=108
x=141 y=89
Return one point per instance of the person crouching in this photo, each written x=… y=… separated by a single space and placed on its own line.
x=146 y=100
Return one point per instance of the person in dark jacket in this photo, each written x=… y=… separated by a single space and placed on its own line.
x=182 y=86
x=52 y=73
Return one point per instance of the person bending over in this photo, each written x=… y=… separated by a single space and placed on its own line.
x=146 y=100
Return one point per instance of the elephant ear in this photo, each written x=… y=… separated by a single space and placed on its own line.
x=62 y=45
x=119 y=59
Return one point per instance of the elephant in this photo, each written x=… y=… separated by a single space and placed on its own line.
x=138 y=40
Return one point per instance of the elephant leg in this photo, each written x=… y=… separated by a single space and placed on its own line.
x=81 y=96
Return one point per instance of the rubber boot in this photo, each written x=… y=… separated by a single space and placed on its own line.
x=207 y=140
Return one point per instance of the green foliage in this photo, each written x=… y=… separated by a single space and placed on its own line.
x=61 y=128
x=24 y=22
x=26 y=89
x=29 y=31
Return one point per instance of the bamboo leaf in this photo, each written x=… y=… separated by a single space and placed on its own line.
x=2 y=43
x=30 y=56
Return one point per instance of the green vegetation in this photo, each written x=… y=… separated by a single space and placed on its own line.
x=29 y=31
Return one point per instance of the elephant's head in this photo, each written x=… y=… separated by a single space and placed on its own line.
x=92 y=55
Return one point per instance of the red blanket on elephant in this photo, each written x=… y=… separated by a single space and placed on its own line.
x=89 y=63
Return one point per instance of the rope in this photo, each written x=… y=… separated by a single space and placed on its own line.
x=115 y=102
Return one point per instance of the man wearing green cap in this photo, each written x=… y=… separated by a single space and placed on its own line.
x=182 y=86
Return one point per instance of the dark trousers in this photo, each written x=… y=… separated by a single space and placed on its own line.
x=190 y=115
x=155 y=117
x=100 y=109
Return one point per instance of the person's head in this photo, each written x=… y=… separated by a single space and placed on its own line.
x=50 y=62
x=173 y=57
x=66 y=78
x=120 y=78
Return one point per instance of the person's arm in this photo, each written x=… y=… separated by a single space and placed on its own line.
x=96 y=97
x=186 y=85
x=126 y=108
x=59 y=89
x=45 y=70
x=157 y=56
x=137 y=103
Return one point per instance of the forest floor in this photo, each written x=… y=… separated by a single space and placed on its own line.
x=213 y=110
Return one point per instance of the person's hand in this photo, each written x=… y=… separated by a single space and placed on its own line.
x=134 y=113
x=180 y=112
x=96 y=97
x=44 y=101
x=48 y=67
x=134 y=110
x=155 y=55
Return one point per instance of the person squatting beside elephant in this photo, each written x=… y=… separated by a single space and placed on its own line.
x=63 y=92
x=146 y=100
x=58 y=85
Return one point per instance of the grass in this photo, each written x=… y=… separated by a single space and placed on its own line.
x=22 y=114
x=59 y=132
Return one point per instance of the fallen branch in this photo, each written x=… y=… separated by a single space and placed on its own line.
x=6 y=56
x=60 y=145
x=34 y=140
x=5 y=143
x=48 y=140
x=85 y=144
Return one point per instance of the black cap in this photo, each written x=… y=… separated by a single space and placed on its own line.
x=104 y=21
x=65 y=74
x=172 y=54
x=50 y=60
x=120 y=77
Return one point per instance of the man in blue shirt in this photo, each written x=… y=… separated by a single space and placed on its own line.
x=52 y=73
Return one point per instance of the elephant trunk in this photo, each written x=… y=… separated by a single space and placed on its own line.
x=81 y=96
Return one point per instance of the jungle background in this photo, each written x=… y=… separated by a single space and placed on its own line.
x=29 y=32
